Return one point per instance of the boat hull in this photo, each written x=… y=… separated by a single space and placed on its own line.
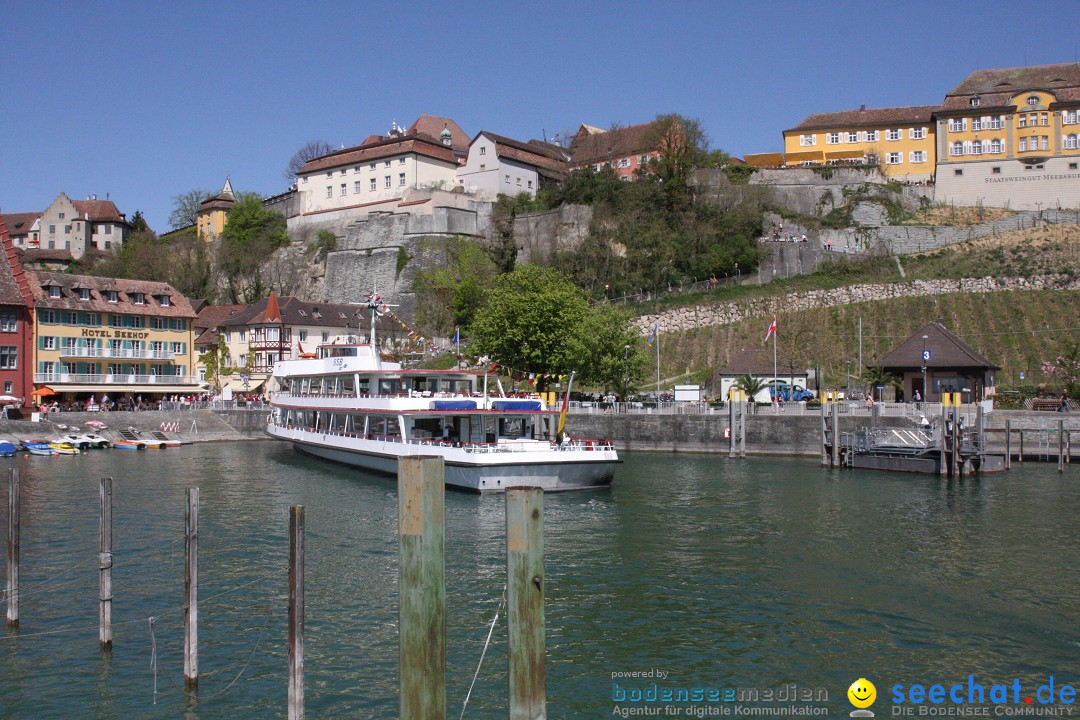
x=553 y=471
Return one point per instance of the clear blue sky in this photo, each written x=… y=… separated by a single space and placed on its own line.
x=147 y=100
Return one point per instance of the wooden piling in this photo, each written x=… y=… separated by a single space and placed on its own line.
x=1008 y=444
x=744 y=410
x=732 y=430
x=105 y=563
x=824 y=436
x=1020 y=455
x=525 y=602
x=191 y=590
x=422 y=584
x=1061 y=446
x=834 y=420
x=13 y=549
x=296 y=612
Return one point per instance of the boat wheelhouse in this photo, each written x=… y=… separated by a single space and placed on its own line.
x=349 y=406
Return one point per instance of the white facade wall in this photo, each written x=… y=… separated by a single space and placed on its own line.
x=486 y=174
x=359 y=190
x=1014 y=185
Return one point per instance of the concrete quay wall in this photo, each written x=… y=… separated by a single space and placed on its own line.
x=194 y=425
x=765 y=434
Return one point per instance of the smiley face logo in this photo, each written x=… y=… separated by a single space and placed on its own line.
x=862 y=693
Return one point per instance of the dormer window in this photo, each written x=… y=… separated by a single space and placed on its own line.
x=164 y=300
x=54 y=291
x=84 y=293
x=138 y=298
x=1033 y=100
x=976 y=101
x=112 y=296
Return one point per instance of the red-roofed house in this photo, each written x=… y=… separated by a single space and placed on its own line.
x=24 y=228
x=76 y=225
x=16 y=325
x=626 y=149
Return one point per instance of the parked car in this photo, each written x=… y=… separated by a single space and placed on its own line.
x=788 y=392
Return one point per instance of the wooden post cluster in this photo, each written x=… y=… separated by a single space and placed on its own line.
x=525 y=602
x=834 y=423
x=296 y=612
x=191 y=590
x=13 y=549
x=105 y=563
x=422 y=583
x=1061 y=446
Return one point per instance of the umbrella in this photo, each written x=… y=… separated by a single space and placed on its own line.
x=10 y=400
x=43 y=391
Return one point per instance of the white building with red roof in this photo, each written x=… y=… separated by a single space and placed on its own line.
x=77 y=225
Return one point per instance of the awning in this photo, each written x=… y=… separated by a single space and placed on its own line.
x=804 y=156
x=764 y=159
x=238 y=385
x=114 y=388
x=845 y=155
x=43 y=391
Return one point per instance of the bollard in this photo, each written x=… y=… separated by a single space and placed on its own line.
x=13 y=549
x=296 y=612
x=191 y=590
x=105 y=563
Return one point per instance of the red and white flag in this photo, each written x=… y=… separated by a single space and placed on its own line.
x=772 y=329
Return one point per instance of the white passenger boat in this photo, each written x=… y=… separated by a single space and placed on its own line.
x=348 y=405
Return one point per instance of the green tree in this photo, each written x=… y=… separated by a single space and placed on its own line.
x=613 y=346
x=216 y=360
x=533 y=321
x=250 y=236
x=874 y=376
x=186 y=208
x=191 y=270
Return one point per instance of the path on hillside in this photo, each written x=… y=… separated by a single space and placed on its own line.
x=730 y=312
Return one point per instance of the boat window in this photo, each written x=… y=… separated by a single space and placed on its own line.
x=512 y=427
x=347 y=385
x=431 y=384
x=316 y=386
x=389 y=387
x=378 y=426
x=461 y=386
x=363 y=387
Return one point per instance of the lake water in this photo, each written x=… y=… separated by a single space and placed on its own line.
x=744 y=573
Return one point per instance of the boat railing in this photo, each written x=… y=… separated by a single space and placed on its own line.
x=575 y=445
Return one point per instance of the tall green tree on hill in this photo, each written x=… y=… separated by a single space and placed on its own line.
x=536 y=321
x=249 y=237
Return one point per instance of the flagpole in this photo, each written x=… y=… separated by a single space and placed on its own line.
x=658 y=365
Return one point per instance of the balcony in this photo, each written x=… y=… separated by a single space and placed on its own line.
x=114 y=379
x=108 y=352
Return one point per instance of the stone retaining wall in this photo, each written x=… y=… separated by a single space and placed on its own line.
x=726 y=313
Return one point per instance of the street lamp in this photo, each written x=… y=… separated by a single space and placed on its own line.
x=924 y=339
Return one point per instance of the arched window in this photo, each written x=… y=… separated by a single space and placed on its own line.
x=1033 y=100
x=957 y=148
x=1070 y=142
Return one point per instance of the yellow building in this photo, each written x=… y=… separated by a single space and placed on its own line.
x=900 y=139
x=124 y=338
x=1011 y=137
x=213 y=213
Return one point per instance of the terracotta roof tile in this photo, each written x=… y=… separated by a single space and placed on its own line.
x=868 y=117
x=99 y=210
x=178 y=304
x=538 y=155
x=20 y=223
x=1018 y=79
x=419 y=144
x=590 y=147
x=14 y=289
x=432 y=125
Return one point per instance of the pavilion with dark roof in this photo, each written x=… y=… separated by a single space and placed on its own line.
x=951 y=365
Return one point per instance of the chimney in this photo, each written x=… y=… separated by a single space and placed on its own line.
x=862 y=108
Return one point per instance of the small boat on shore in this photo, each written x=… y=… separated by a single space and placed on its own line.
x=38 y=447
x=7 y=449
x=63 y=448
x=85 y=441
x=128 y=445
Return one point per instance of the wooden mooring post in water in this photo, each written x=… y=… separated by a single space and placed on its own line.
x=296 y=612
x=1008 y=444
x=191 y=590
x=422 y=584
x=105 y=563
x=13 y=549
x=525 y=602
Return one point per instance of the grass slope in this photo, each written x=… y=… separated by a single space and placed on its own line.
x=1017 y=330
